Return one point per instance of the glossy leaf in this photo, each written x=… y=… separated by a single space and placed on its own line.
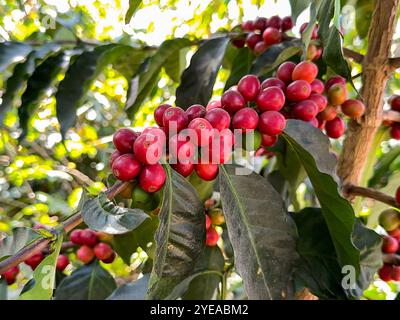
x=19 y=238
x=41 y=80
x=44 y=276
x=175 y=64
x=11 y=52
x=180 y=236
x=312 y=148
x=197 y=81
x=78 y=79
x=240 y=66
x=261 y=233
x=89 y=282
x=133 y=6
x=3 y=289
x=274 y=56
x=298 y=6
x=101 y=214
x=132 y=291
x=150 y=69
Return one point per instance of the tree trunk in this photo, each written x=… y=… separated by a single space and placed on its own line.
x=375 y=73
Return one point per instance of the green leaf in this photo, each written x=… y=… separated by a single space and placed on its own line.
x=197 y=81
x=126 y=244
x=19 y=238
x=44 y=276
x=101 y=214
x=274 y=56
x=261 y=233
x=38 y=84
x=78 y=79
x=319 y=269
x=11 y=52
x=204 y=286
x=133 y=6
x=89 y=282
x=21 y=73
x=3 y=289
x=312 y=148
x=150 y=70
x=240 y=66
x=363 y=9
x=175 y=64
x=382 y=170
x=298 y=6
x=132 y=291
x=180 y=236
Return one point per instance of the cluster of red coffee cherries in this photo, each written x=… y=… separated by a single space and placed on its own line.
x=92 y=245
x=394 y=102
x=214 y=217
x=263 y=32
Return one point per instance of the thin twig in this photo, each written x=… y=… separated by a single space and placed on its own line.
x=391 y=258
x=42 y=243
x=370 y=193
x=356 y=56
x=391 y=115
x=394 y=63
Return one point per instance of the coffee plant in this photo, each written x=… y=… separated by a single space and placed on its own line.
x=254 y=161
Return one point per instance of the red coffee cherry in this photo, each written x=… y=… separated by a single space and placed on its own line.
x=335 y=128
x=220 y=150
x=314 y=122
x=34 y=260
x=249 y=86
x=328 y=114
x=285 y=71
x=110 y=259
x=152 y=178
x=273 y=82
x=314 y=34
x=312 y=52
x=259 y=48
x=305 y=110
x=148 y=148
x=287 y=24
x=89 y=237
x=272 y=123
x=260 y=24
x=212 y=237
x=181 y=149
x=62 y=262
x=114 y=156
x=175 y=117
x=390 y=245
x=123 y=140
x=10 y=275
x=213 y=105
x=195 y=111
x=252 y=39
x=239 y=42
x=385 y=273
x=298 y=90
x=126 y=167
x=395 y=131
x=203 y=129
x=271 y=98
x=232 y=101
x=395 y=273
x=334 y=80
x=75 y=236
x=272 y=36
x=337 y=94
x=248 y=25
x=85 y=254
x=320 y=100
x=267 y=140
x=275 y=22
x=159 y=113
x=321 y=123
x=208 y=222
x=317 y=86
x=218 y=118
x=206 y=171
x=103 y=251
x=394 y=102
x=184 y=169
x=353 y=108
x=305 y=70
x=245 y=119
